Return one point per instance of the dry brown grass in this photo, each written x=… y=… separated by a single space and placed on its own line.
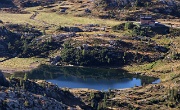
x=21 y=64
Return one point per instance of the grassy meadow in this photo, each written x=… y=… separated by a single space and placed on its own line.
x=21 y=64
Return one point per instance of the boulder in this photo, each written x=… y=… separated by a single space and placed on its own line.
x=63 y=10
x=72 y=29
x=1 y=22
x=87 y=10
x=161 y=49
x=55 y=60
x=3 y=81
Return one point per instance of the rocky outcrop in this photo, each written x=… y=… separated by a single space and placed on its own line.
x=62 y=36
x=18 y=99
x=3 y=81
x=42 y=95
x=71 y=29
x=55 y=60
x=32 y=3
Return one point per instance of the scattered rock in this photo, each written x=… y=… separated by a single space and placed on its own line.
x=62 y=36
x=55 y=60
x=161 y=49
x=63 y=10
x=71 y=29
x=87 y=10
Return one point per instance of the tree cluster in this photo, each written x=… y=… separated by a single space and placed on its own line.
x=93 y=57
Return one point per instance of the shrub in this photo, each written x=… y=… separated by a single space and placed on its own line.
x=129 y=25
x=174 y=95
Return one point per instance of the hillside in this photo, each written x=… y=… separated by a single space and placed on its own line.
x=120 y=10
x=39 y=36
x=26 y=94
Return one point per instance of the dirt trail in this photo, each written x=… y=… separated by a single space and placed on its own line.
x=34 y=15
x=5 y=59
x=41 y=21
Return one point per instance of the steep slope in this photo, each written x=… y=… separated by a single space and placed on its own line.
x=116 y=9
x=7 y=4
x=26 y=94
x=131 y=9
x=32 y=3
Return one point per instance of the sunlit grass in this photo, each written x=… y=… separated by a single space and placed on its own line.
x=166 y=70
x=2 y=58
x=144 y=67
x=45 y=18
x=54 y=18
x=31 y=9
x=21 y=63
x=17 y=18
x=162 y=41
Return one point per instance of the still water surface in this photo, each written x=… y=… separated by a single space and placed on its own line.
x=92 y=78
x=100 y=84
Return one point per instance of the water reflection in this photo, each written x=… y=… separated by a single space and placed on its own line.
x=94 y=78
x=100 y=84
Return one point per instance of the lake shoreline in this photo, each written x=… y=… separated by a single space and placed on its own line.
x=12 y=71
x=36 y=63
x=86 y=77
x=116 y=67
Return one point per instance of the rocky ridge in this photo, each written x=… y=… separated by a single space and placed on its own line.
x=36 y=95
x=15 y=99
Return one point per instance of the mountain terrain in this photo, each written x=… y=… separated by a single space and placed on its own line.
x=40 y=35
